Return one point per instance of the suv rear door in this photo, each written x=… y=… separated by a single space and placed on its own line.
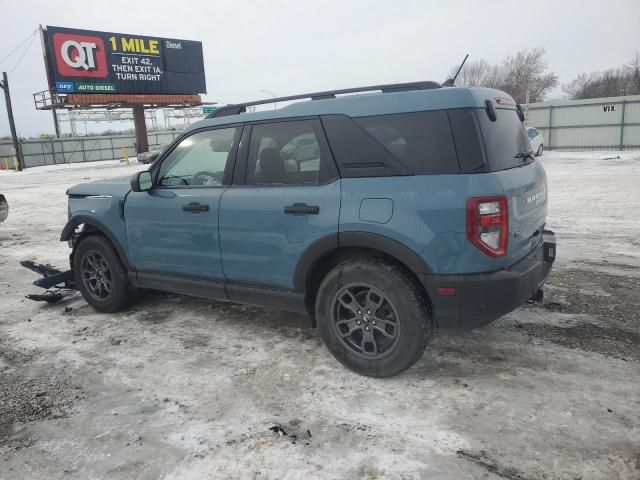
x=523 y=179
x=285 y=196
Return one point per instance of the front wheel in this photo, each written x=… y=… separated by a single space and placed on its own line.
x=373 y=317
x=540 y=150
x=100 y=275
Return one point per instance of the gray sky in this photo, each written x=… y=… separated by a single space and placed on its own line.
x=292 y=47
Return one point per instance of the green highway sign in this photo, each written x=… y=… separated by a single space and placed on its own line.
x=208 y=109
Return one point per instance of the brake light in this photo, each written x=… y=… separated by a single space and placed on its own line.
x=504 y=101
x=488 y=224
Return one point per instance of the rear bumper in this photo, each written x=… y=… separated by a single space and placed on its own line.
x=481 y=298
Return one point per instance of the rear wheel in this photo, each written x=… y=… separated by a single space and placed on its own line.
x=100 y=275
x=373 y=317
x=540 y=150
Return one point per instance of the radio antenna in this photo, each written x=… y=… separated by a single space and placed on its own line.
x=452 y=81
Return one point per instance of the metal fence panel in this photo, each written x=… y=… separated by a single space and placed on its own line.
x=79 y=149
x=586 y=115
x=594 y=124
x=632 y=113
x=538 y=117
x=631 y=136
x=585 y=137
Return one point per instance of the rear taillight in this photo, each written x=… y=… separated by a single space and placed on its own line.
x=488 y=224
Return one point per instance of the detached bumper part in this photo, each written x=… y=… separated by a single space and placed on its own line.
x=482 y=298
x=58 y=284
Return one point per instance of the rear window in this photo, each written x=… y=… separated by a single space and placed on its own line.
x=421 y=141
x=506 y=141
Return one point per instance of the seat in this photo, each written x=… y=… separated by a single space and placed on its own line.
x=272 y=167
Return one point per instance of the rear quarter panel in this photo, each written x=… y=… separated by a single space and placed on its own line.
x=429 y=216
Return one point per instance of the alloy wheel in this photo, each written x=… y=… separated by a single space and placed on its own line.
x=365 y=320
x=96 y=275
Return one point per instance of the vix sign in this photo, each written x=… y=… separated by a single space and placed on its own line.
x=80 y=55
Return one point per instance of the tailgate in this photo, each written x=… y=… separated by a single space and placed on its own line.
x=526 y=190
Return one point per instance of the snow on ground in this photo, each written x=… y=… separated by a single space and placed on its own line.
x=182 y=388
x=594 y=202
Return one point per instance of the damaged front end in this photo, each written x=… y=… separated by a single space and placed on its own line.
x=58 y=284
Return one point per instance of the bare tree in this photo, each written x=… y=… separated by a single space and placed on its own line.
x=633 y=70
x=478 y=73
x=524 y=76
x=614 y=82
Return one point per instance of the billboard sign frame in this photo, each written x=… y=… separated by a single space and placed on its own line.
x=88 y=61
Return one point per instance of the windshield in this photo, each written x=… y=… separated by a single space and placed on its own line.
x=506 y=140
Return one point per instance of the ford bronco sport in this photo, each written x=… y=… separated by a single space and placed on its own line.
x=382 y=216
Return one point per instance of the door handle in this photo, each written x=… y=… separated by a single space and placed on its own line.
x=302 y=209
x=195 y=207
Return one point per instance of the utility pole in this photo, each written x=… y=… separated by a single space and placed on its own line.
x=7 y=98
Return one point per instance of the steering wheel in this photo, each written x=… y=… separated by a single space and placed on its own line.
x=204 y=178
x=171 y=178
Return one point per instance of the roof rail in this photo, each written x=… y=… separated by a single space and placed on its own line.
x=237 y=108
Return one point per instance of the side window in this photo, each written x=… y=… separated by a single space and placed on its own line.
x=421 y=141
x=199 y=159
x=532 y=133
x=289 y=153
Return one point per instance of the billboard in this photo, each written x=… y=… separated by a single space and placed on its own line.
x=85 y=61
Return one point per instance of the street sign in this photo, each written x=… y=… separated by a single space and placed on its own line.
x=208 y=110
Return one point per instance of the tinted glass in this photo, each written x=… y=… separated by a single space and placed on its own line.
x=357 y=153
x=421 y=141
x=468 y=139
x=199 y=159
x=505 y=140
x=286 y=153
x=532 y=132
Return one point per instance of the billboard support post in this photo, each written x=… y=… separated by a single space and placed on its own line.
x=56 y=126
x=142 y=143
x=12 y=125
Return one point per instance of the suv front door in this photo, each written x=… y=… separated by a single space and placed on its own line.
x=172 y=229
x=285 y=196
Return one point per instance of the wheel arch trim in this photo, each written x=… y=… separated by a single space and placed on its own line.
x=76 y=220
x=330 y=243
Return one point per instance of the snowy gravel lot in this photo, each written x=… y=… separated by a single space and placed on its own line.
x=181 y=388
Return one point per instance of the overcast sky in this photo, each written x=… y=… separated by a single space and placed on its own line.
x=296 y=46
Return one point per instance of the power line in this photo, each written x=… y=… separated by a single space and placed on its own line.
x=23 y=54
x=21 y=43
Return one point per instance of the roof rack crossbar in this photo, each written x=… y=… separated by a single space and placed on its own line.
x=236 y=108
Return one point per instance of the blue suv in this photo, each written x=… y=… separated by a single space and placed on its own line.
x=381 y=215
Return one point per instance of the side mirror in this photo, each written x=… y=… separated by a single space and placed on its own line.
x=141 y=181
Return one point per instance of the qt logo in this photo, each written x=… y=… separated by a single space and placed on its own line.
x=80 y=55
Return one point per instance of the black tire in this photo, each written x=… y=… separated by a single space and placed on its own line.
x=112 y=272
x=540 y=150
x=365 y=281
